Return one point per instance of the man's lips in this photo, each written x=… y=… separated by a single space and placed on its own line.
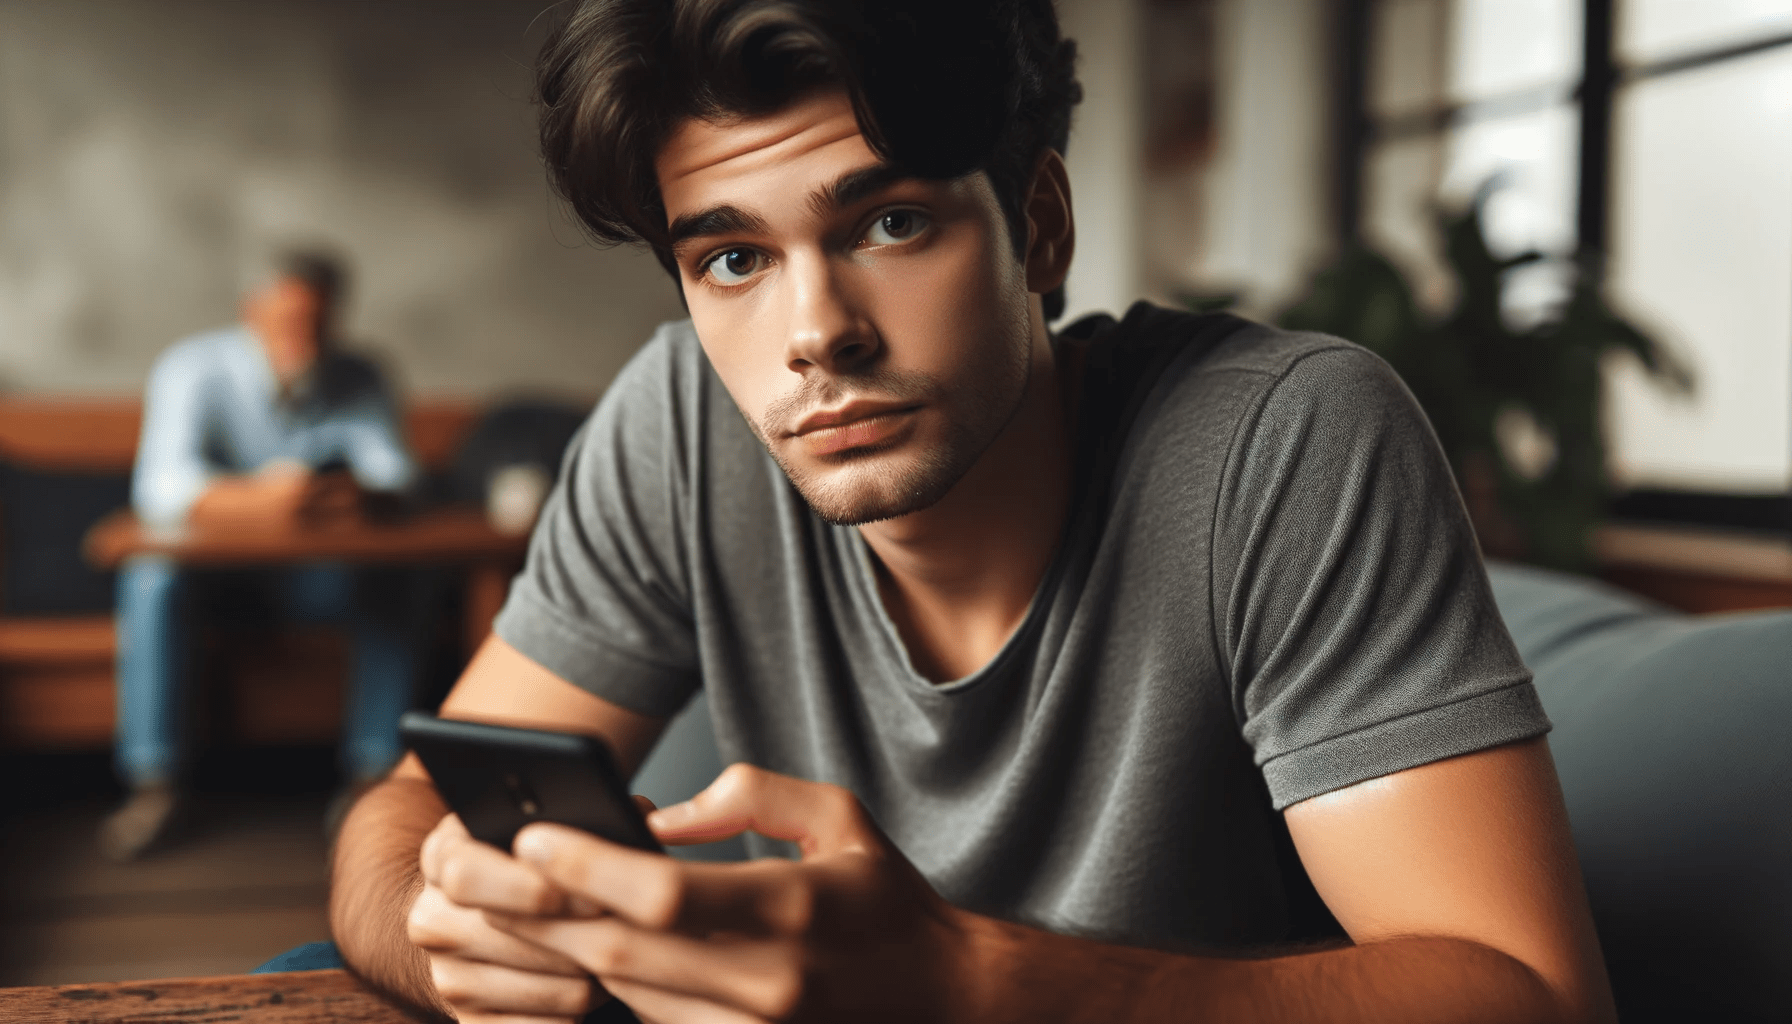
x=852 y=426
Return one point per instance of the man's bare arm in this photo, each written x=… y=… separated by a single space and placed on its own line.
x=1456 y=881
x=376 y=877
x=272 y=497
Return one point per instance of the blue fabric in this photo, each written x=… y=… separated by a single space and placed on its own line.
x=1671 y=746
x=213 y=406
x=312 y=956
x=155 y=611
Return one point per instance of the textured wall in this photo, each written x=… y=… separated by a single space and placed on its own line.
x=146 y=149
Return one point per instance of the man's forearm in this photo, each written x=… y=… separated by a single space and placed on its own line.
x=236 y=501
x=1033 y=975
x=375 y=879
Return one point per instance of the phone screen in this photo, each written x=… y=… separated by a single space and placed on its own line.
x=499 y=778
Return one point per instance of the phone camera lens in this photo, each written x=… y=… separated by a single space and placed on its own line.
x=522 y=795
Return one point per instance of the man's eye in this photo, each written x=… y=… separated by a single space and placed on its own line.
x=734 y=266
x=896 y=227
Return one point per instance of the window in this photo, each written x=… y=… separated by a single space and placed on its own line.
x=1701 y=248
x=1697 y=202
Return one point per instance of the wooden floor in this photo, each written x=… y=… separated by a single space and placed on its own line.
x=246 y=880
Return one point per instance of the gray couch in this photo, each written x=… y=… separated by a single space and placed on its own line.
x=1671 y=740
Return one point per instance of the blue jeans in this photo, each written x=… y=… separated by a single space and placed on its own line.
x=157 y=601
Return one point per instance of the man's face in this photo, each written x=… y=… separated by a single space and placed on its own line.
x=288 y=318
x=874 y=330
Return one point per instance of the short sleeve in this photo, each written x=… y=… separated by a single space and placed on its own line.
x=1351 y=603
x=171 y=472
x=604 y=598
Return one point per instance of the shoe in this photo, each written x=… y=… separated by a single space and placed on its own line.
x=145 y=819
x=344 y=800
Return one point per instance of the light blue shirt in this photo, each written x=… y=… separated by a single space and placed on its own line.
x=214 y=408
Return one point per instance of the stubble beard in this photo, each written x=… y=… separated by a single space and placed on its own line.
x=871 y=484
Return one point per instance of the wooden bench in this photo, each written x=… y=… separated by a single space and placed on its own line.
x=56 y=672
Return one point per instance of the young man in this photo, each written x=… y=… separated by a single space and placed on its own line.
x=1148 y=673
x=235 y=422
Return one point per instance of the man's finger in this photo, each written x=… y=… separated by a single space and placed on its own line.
x=651 y=890
x=818 y=818
x=491 y=988
x=657 y=1005
x=762 y=976
x=439 y=925
x=475 y=874
x=448 y=831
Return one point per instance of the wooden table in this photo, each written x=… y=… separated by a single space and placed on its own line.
x=299 y=997
x=453 y=535
x=1697 y=569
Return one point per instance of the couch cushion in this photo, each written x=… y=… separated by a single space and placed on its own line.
x=44 y=515
x=1671 y=743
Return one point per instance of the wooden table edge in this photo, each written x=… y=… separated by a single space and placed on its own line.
x=289 y=997
x=120 y=535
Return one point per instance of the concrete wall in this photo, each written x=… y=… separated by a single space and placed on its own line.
x=147 y=148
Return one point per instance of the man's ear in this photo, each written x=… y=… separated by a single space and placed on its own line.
x=1051 y=228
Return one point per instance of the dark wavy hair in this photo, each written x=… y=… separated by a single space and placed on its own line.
x=941 y=88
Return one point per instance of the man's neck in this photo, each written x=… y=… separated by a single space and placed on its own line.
x=957 y=578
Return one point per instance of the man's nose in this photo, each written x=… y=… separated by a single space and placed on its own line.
x=827 y=329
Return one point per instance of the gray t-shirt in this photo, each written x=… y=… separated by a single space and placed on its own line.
x=1277 y=595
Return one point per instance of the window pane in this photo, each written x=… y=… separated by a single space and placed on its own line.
x=1650 y=30
x=1535 y=157
x=1702 y=256
x=1504 y=46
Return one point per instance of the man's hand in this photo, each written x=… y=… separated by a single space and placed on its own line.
x=1462 y=911
x=480 y=972
x=280 y=494
x=328 y=498
x=377 y=876
x=850 y=932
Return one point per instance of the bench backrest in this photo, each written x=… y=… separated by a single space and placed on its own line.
x=99 y=435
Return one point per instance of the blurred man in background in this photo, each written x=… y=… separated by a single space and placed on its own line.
x=266 y=425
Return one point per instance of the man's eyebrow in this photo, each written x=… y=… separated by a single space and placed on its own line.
x=725 y=219
x=716 y=220
x=853 y=186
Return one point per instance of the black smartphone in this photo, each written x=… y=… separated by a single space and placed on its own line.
x=499 y=778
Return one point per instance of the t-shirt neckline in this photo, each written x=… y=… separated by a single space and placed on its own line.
x=896 y=654
x=897 y=661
